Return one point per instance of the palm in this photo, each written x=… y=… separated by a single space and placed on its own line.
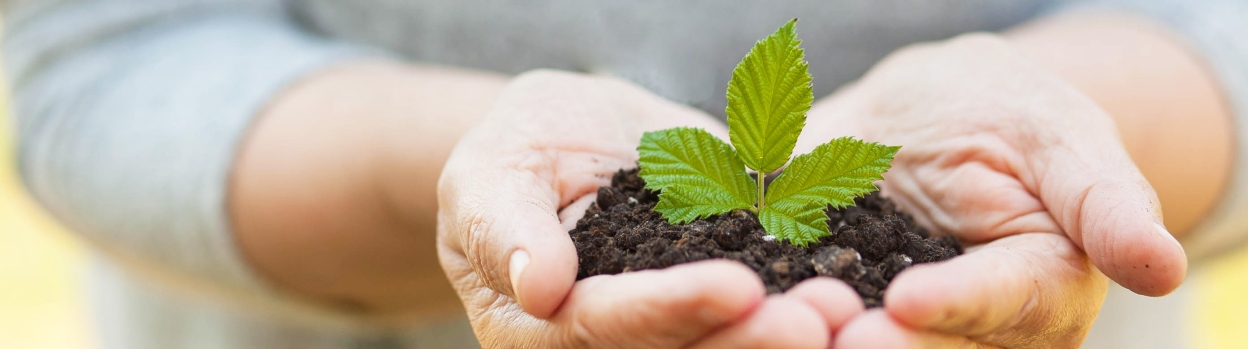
x=961 y=180
x=1021 y=263
x=1022 y=167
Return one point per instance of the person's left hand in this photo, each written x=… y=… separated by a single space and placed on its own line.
x=1017 y=162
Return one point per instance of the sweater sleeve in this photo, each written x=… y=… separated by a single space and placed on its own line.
x=1216 y=30
x=128 y=115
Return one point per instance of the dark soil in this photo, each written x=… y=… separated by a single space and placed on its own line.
x=870 y=243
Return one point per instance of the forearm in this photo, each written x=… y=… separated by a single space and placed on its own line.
x=129 y=114
x=332 y=194
x=1170 y=111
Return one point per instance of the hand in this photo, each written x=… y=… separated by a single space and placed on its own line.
x=536 y=160
x=1013 y=159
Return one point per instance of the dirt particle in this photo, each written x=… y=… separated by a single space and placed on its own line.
x=780 y=267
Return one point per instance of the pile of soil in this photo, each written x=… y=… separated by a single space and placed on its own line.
x=869 y=245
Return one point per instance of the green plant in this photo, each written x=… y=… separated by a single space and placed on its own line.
x=699 y=176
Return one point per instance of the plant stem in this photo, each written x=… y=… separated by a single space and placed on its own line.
x=761 y=179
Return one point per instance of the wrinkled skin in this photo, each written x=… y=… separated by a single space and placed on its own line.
x=995 y=150
x=1009 y=158
x=522 y=177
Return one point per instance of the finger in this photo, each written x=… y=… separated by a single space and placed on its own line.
x=834 y=300
x=781 y=322
x=665 y=308
x=1029 y=288
x=501 y=216
x=574 y=211
x=1106 y=206
x=876 y=330
x=535 y=152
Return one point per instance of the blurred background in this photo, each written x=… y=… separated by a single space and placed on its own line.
x=42 y=303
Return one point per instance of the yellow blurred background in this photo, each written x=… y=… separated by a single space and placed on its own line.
x=43 y=303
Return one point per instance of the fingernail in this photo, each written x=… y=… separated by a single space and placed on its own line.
x=519 y=260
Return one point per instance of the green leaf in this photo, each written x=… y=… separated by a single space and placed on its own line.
x=833 y=174
x=800 y=228
x=697 y=173
x=768 y=97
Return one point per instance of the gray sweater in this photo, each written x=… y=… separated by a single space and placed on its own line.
x=128 y=114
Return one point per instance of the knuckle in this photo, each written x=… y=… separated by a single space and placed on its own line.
x=979 y=41
x=547 y=77
x=588 y=329
x=583 y=335
x=756 y=337
x=557 y=95
x=571 y=81
x=911 y=52
x=477 y=231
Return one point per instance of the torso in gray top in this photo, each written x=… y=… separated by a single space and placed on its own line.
x=682 y=50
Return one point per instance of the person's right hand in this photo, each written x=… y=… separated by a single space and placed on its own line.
x=517 y=181
x=1018 y=164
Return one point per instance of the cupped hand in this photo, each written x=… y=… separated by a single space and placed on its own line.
x=516 y=183
x=1017 y=162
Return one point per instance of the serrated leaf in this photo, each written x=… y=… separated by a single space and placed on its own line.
x=768 y=97
x=833 y=174
x=697 y=173
x=800 y=228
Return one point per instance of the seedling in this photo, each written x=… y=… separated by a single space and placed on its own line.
x=699 y=176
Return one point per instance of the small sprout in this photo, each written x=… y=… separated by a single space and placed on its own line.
x=698 y=175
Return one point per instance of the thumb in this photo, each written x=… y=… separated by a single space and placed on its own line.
x=1106 y=206
x=503 y=222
